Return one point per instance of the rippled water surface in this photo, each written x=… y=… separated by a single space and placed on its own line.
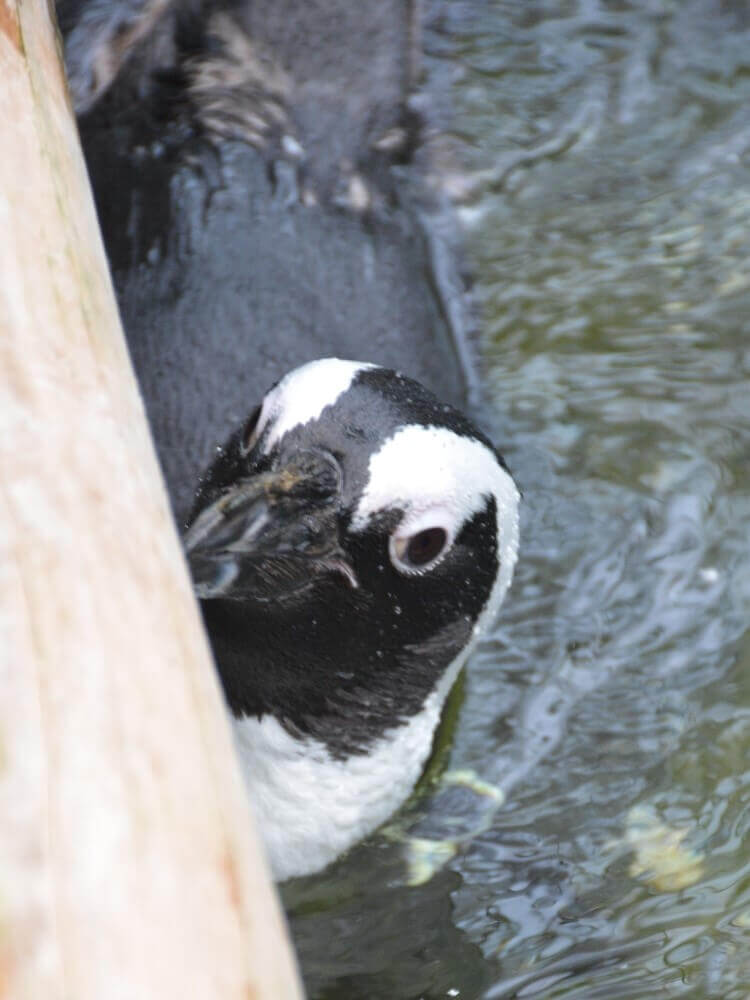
x=607 y=211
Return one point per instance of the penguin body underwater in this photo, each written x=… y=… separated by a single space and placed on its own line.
x=349 y=538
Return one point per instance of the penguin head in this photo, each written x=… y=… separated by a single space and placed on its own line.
x=348 y=544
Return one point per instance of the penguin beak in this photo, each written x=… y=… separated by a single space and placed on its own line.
x=270 y=535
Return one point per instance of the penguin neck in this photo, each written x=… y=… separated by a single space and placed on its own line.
x=342 y=799
x=321 y=676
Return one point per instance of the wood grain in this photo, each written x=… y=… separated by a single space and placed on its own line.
x=129 y=867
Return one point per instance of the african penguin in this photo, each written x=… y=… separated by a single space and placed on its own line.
x=267 y=195
x=348 y=544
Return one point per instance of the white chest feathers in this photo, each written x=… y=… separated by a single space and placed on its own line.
x=311 y=807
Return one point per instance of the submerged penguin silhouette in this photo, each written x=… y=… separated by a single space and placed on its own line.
x=349 y=544
x=261 y=199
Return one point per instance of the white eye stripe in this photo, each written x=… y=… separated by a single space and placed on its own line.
x=433 y=473
x=432 y=469
x=301 y=396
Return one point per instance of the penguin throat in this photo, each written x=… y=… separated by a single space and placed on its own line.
x=341 y=686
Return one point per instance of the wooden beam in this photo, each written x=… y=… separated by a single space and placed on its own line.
x=128 y=862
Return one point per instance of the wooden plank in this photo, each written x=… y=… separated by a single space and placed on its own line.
x=129 y=866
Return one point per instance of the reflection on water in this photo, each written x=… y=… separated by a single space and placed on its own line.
x=607 y=209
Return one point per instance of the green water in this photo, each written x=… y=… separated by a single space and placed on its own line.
x=605 y=191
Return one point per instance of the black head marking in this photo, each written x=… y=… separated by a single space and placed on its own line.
x=344 y=665
x=349 y=655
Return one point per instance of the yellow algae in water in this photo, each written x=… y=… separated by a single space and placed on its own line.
x=471 y=780
x=425 y=857
x=660 y=856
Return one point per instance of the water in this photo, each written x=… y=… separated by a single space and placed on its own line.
x=602 y=156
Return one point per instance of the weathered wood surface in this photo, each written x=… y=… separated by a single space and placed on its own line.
x=128 y=866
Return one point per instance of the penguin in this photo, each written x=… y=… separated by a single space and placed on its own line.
x=349 y=545
x=256 y=171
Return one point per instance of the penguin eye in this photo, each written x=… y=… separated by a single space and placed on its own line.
x=420 y=550
x=249 y=437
